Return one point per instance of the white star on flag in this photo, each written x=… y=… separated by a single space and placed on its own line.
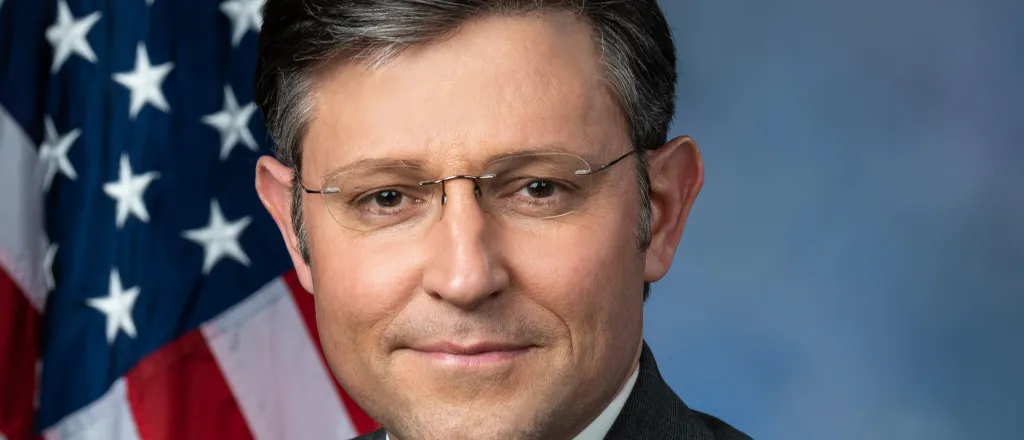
x=127 y=191
x=219 y=238
x=144 y=82
x=233 y=124
x=68 y=36
x=117 y=306
x=51 y=255
x=244 y=15
x=54 y=152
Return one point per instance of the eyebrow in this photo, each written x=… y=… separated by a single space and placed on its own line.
x=422 y=165
x=547 y=148
x=376 y=162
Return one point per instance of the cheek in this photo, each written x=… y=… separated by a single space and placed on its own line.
x=360 y=290
x=359 y=287
x=588 y=273
x=606 y=303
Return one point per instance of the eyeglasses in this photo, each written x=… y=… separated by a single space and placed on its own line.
x=529 y=185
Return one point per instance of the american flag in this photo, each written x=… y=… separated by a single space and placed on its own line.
x=144 y=292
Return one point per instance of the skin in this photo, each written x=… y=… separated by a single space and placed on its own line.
x=565 y=292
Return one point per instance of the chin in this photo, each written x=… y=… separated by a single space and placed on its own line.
x=471 y=424
x=513 y=400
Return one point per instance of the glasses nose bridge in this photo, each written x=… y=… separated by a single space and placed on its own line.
x=474 y=178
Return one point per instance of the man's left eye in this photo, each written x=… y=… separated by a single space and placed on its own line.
x=540 y=188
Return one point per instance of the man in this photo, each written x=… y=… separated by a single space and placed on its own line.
x=478 y=194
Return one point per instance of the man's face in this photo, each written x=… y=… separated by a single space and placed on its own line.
x=474 y=327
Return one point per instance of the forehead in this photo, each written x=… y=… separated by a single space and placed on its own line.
x=499 y=84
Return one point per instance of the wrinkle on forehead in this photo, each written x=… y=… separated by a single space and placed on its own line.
x=499 y=84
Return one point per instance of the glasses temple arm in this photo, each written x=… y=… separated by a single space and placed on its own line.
x=609 y=164
x=318 y=191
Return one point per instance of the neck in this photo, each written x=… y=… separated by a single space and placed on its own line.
x=601 y=421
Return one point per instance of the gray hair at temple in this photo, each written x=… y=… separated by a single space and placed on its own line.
x=298 y=36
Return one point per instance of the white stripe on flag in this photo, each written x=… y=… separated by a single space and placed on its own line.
x=271 y=364
x=108 y=418
x=22 y=239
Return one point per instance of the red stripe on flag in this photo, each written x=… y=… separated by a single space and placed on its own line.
x=360 y=421
x=178 y=392
x=19 y=351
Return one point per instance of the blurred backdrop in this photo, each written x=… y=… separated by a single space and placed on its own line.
x=853 y=269
x=862 y=220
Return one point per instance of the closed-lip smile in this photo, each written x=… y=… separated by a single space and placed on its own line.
x=472 y=355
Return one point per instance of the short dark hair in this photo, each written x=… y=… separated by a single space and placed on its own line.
x=299 y=36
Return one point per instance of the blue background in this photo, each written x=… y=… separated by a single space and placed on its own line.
x=854 y=267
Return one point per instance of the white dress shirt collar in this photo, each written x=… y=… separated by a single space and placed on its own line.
x=604 y=421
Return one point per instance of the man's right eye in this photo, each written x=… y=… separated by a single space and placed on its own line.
x=388 y=198
x=380 y=199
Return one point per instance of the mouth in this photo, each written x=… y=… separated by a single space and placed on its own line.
x=470 y=356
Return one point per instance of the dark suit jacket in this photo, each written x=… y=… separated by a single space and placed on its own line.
x=653 y=411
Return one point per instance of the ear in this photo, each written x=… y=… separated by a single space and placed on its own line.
x=274 y=186
x=677 y=174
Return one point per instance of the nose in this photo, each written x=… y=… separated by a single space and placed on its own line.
x=465 y=267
